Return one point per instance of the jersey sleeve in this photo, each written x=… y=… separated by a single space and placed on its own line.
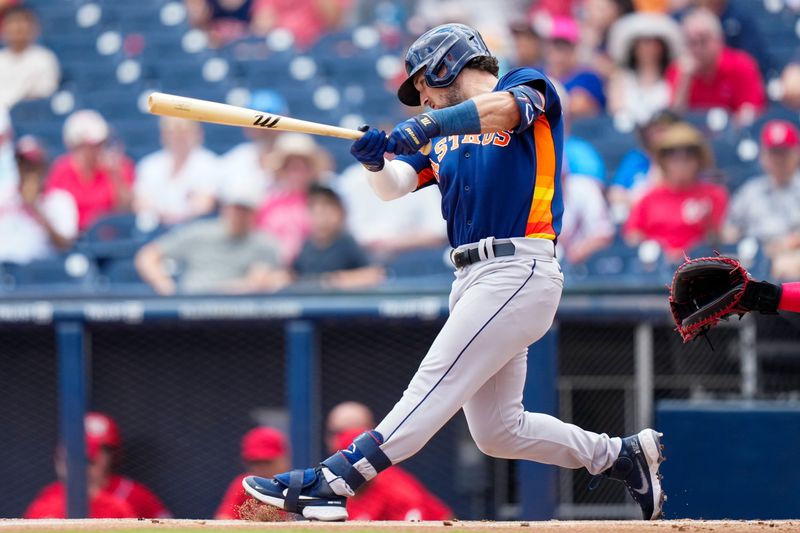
x=421 y=164
x=535 y=79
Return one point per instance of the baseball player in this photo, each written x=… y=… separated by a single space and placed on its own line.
x=496 y=157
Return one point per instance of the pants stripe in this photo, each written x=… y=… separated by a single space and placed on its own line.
x=533 y=268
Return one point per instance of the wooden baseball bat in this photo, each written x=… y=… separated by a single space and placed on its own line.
x=172 y=105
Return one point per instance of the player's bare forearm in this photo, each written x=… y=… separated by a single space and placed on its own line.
x=498 y=111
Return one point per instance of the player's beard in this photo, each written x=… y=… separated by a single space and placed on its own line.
x=452 y=97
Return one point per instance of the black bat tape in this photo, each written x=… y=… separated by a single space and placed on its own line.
x=266 y=121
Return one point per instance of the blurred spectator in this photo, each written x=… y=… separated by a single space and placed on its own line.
x=308 y=20
x=636 y=172
x=740 y=28
x=298 y=162
x=598 y=16
x=585 y=88
x=527 y=45
x=388 y=228
x=35 y=225
x=220 y=255
x=790 y=86
x=586 y=226
x=111 y=495
x=580 y=156
x=682 y=211
x=179 y=181
x=223 y=20
x=398 y=497
x=713 y=75
x=9 y=174
x=97 y=175
x=253 y=158
x=264 y=453
x=768 y=207
x=642 y=46
x=330 y=254
x=27 y=70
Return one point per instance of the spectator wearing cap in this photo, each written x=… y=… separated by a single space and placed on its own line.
x=561 y=62
x=330 y=255
x=400 y=496
x=111 y=495
x=636 y=172
x=27 y=70
x=35 y=225
x=264 y=453
x=683 y=210
x=711 y=74
x=254 y=157
x=527 y=44
x=181 y=180
x=297 y=162
x=97 y=174
x=220 y=255
x=767 y=207
x=642 y=46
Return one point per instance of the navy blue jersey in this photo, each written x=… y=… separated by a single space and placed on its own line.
x=501 y=184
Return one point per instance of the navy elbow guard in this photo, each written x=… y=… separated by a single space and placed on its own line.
x=530 y=104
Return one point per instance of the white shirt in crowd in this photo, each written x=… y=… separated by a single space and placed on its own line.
x=24 y=239
x=586 y=213
x=156 y=190
x=33 y=73
x=371 y=219
x=245 y=160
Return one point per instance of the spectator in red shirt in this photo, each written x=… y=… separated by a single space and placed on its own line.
x=264 y=453
x=111 y=495
x=682 y=211
x=395 y=494
x=713 y=75
x=98 y=176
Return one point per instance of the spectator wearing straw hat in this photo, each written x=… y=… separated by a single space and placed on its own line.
x=97 y=175
x=683 y=211
x=264 y=452
x=35 y=224
x=642 y=45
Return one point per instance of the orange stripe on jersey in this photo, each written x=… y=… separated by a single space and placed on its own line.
x=540 y=219
x=425 y=178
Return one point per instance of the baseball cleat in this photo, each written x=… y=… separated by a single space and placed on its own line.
x=300 y=491
x=637 y=467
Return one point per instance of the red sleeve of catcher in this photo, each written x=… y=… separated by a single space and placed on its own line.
x=790 y=297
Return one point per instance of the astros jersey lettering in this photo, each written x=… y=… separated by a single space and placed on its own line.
x=502 y=184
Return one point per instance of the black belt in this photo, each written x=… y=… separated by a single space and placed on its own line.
x=467 y=256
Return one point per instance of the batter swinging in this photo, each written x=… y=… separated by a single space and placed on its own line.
x=497 y=149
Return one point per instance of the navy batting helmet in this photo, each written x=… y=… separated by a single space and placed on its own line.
x=444 y=50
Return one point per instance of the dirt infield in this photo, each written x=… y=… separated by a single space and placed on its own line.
x=554 y=526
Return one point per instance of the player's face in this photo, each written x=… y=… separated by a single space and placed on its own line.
x=437 y=97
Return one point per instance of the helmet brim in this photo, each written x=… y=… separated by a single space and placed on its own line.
x=407 y=93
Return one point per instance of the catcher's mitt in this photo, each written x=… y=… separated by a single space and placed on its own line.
x=709 y=289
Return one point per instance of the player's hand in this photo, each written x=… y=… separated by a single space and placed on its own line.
x=370 y=148
x=412 y=134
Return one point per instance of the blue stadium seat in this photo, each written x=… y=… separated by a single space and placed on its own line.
x=73 y=270
x=421 y=262
x=32 y=111
x=121 y=271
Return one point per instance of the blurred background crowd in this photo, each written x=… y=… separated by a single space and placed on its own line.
x=682 y=119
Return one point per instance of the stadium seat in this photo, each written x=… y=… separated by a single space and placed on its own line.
x=72 y=270
x=121 y=271
x=421 y=262
x=32 y=111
